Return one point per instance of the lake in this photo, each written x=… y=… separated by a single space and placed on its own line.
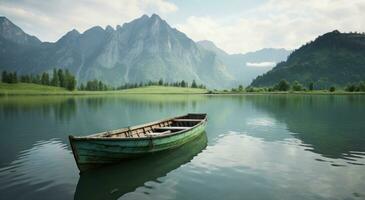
x=254 y=147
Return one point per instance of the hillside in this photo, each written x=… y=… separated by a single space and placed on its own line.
x=29 y=88
x=144 y=49
x=241 y=66
x=331 y=59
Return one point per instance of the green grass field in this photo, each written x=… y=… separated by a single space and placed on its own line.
x=34 y=89
x=162 y=90
x=29 y=88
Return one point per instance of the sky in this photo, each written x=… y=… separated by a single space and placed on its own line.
x=236 y=26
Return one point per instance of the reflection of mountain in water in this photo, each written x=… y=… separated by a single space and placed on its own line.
x=114 y=181
x=333 y=125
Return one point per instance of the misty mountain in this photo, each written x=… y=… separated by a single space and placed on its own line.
x=246 y=67
x=333 y=59
x=144 y=49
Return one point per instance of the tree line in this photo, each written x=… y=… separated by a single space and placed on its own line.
x=182 y=83
x=63 y=78
x=356 y=87
x=97 y=85
x=59 y=78
x=284 y=85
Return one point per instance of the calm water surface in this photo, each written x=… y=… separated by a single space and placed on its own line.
x=255 y=147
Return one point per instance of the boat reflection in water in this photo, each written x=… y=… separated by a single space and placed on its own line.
x=111 y=182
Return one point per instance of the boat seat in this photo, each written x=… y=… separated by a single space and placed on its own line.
x=187 y=120
x=172 y=128
x=158 y=133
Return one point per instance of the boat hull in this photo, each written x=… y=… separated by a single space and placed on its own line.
x=127 y=176
x=91 y=153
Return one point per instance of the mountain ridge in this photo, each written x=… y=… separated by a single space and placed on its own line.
x=332 y=59
x=9 y=31
x=146 y=48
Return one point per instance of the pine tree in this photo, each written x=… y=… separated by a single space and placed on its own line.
x=25 y=79
x=61 y=78
x=193 y=84
x=4 y=77
x=36 y=79
x=160 y=82
x=100 y=85
x=82 y=87
x=55 y=79
x=13 y=78
x=69 y=80
x=45 y=79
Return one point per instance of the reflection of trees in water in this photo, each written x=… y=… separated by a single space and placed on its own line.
x=193 y=104
x=26 y=120
x=332 y=125
x=95 y=103
x=66 y=110
x=161 y=102
x=62 y=108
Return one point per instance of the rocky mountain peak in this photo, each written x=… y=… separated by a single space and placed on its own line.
x=144 y=49
x=11 y=32
x=109 y=28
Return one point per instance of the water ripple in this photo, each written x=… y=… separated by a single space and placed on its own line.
x=46 y=165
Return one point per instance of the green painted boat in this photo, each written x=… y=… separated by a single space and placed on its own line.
x=114 y=146
x=113 y=181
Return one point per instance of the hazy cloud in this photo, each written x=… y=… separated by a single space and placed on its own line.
x=261 y=64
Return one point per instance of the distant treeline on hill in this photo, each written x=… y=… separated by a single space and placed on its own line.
x=97 y=85
x=59 y=78
x=284 y=85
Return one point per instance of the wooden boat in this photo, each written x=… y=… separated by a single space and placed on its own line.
x=113 y=181
x=113 y=146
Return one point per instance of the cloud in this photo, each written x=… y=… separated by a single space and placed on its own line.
x=261 y=64
x=50 y=19
x=277 y=23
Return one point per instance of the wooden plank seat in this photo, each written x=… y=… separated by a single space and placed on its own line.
x=172 y=128
x=187 y=120
x=158 y=133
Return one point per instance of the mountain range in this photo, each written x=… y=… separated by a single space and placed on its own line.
x=144 y=49
x=246 y=67
x=332 y=59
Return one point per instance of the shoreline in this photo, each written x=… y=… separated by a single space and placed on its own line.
x=120 y=93
x=23 y=89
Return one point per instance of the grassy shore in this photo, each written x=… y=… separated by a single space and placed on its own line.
x=34 y=89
